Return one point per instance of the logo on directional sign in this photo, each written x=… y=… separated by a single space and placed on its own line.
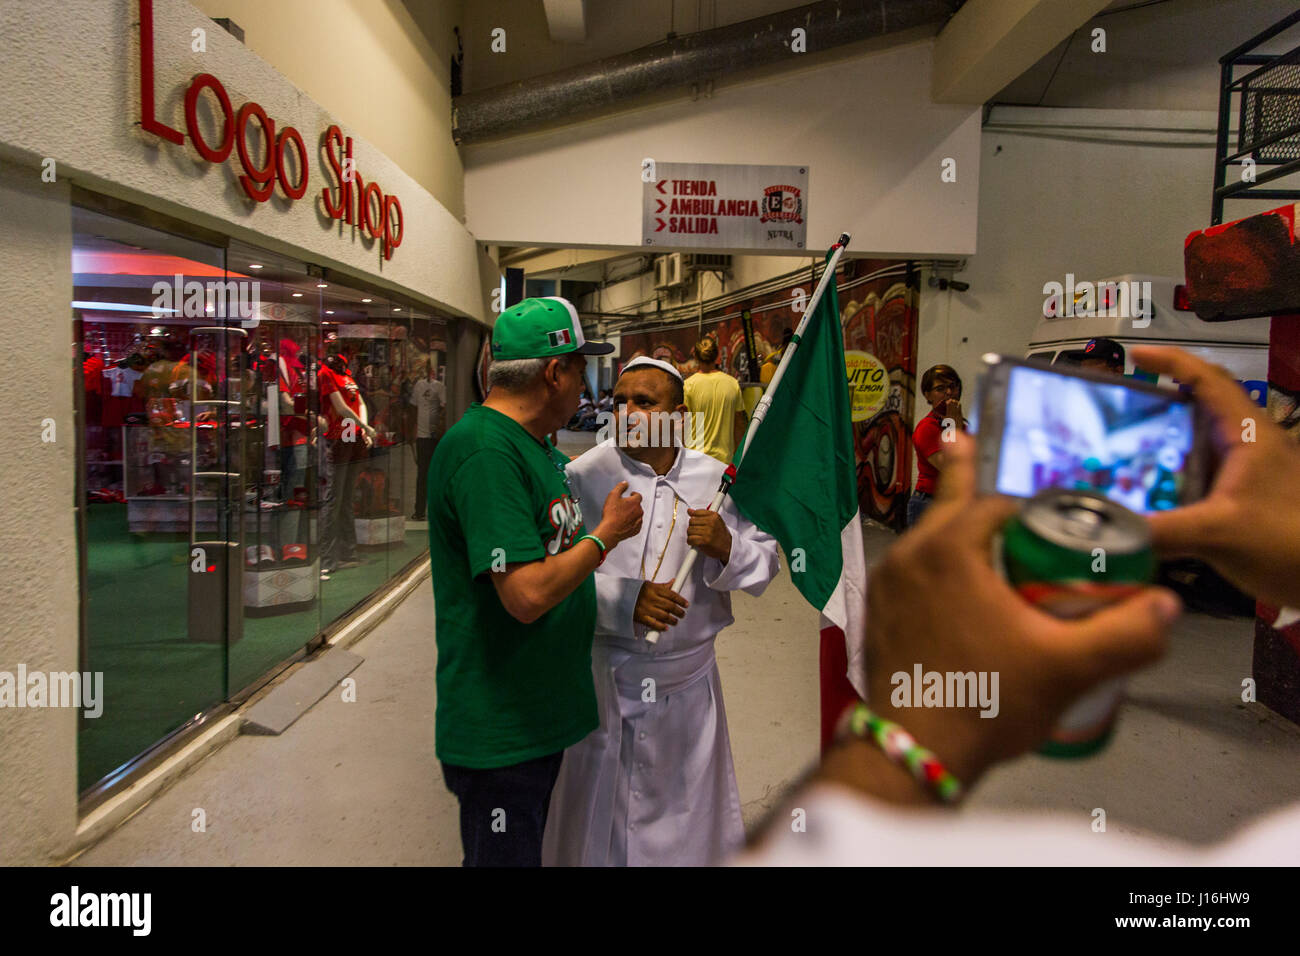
x=782 y=204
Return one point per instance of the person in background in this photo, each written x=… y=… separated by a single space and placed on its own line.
x=429 y=397
x=769 y=366
x=1102 y=355
x=586 y=415
x=714 y=400
x=514 y=594
x=863 y=806
x=941 y=386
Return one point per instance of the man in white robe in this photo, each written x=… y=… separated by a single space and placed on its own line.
x=654 y=785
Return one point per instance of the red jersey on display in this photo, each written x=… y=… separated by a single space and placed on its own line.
x=93 y=369
x=927 y=438
x=293 y=428
x=341 y=382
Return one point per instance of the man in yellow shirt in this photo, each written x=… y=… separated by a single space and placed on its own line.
x=717 y=409
x=768 y=369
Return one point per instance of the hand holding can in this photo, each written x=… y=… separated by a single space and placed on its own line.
x=1070 y=553
x=938 y=599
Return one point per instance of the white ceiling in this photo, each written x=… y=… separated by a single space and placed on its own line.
x=1159 y=55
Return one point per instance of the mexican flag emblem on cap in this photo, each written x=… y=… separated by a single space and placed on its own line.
x=527 y=330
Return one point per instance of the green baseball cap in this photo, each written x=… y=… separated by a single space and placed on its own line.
x=541 y=328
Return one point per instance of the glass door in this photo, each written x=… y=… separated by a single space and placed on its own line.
x=279 y=554
x=218 y=430
x=156 y=483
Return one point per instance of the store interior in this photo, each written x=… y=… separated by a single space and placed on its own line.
x=202 y=468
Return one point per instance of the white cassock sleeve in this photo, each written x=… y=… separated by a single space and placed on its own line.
x=754 y=558
x=615 y=601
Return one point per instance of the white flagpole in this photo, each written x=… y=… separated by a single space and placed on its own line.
x=760 y=411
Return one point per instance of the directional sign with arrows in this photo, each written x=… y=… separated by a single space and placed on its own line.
x=722 y=206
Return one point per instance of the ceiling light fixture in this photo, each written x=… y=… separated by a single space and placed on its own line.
x=120 y=307
x=254 y=265
x=297 y=295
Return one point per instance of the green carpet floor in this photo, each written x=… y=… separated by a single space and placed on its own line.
x=155 y=678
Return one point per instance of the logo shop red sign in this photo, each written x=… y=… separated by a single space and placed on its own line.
x=351 y=199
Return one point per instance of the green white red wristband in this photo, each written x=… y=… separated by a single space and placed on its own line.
x=901 y=748
x=604 y=551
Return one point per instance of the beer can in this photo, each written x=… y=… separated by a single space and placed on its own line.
x=1069 y=553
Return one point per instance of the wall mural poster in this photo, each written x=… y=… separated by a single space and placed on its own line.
x=878 y=312
x=878 y=318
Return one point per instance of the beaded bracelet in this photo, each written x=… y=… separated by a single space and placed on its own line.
x=901 y=748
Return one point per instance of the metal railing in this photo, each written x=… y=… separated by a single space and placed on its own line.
x=1268 y=121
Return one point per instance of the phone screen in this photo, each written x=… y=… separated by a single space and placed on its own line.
x=1061 y=432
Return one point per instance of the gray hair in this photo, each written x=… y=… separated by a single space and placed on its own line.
x=515 y=374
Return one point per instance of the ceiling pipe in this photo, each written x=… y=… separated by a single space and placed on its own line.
x=682 y=61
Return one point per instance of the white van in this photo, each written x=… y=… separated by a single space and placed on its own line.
x=1119 y=311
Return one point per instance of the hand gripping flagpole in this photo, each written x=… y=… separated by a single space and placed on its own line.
x=760 y=411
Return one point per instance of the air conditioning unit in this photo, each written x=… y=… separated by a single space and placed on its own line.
x=708 y=262
x=668 y=271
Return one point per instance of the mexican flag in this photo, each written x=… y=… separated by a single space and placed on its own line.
x=798 y=482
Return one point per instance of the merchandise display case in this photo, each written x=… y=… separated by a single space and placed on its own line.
x=156 y=482
x=281 y=560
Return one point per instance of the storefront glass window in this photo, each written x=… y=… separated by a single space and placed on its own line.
x=234 y=506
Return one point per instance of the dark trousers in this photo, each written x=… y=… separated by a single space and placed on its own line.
x=338 y=534
x=916 y=506
x=424 y=448
x=503 y=810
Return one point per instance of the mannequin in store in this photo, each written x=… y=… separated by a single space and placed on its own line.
x=349 y=437
x=293 y=416
x=92 y=369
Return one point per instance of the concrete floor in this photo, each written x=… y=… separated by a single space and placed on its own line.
x=358 y=783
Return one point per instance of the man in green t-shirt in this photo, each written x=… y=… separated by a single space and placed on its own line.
x=515 y=599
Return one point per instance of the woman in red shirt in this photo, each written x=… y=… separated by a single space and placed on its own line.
x=941 y=386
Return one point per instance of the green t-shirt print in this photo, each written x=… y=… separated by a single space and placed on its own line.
x=507 y=691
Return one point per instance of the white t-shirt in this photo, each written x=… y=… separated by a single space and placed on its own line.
x=428 y=396
x=122 y=380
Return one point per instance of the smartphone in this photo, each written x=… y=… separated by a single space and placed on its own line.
x=1042 y=426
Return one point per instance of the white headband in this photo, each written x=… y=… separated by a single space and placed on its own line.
x=642 y=360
